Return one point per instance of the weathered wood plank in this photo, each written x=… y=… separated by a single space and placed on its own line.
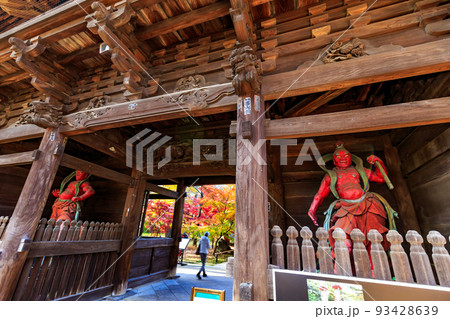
x=40 y=267
x=68 y=275
x=388 y=117
x=146 y=243
x=40 y=249
x=130 y=222
x=28 y=210
x=23 y=158
x=97 y=170
x=440 y=144
x=27 y=277
x=407 y=213
x=415 y=60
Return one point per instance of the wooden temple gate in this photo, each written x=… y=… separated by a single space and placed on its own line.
x=75 y=88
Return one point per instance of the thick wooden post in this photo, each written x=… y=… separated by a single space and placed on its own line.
x=28 y=210
x=130 y=222
x=177 y=223
x=407 y=214
x=252 y=227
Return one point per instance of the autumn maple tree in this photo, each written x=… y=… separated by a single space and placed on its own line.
x=207 y=208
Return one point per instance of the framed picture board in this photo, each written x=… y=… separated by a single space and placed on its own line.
x=292 y=285
x=205 y=294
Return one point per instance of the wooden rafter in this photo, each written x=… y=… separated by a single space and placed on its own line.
x=303 y=108
x=416 y=60
x=204 y=14
x=102 y=143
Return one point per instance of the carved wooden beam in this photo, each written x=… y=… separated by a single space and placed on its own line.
x=195 y=102
x=43 y=114
x=113 y=27
x=417 y=113
x=46 y=76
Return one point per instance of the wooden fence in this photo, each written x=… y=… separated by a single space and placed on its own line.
x=69 y=259
x=3 y=222
x=359 y=264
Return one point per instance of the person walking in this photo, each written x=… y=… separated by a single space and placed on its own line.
x=204 y=246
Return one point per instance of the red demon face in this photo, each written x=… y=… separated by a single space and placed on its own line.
x=342 y=158
x=79 y=175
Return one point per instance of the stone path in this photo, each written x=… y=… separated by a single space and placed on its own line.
x=180 y=289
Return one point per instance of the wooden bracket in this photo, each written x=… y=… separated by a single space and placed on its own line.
x=246 y=130
x=25 y=245
x=35 y=155
x=133 y=183
x=233 y=128
x=59 y=150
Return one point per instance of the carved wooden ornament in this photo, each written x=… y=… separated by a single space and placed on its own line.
x=246 y=71
x=340 y=51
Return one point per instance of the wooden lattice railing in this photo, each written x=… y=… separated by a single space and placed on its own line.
x=67 y=259
x=360 y=264
x=3 y=222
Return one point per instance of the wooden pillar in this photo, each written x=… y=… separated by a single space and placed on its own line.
x=277 y=215
x=177 y=223
x=28 y=210
x=130 y=222
x=407 y=214
x=251 y=257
